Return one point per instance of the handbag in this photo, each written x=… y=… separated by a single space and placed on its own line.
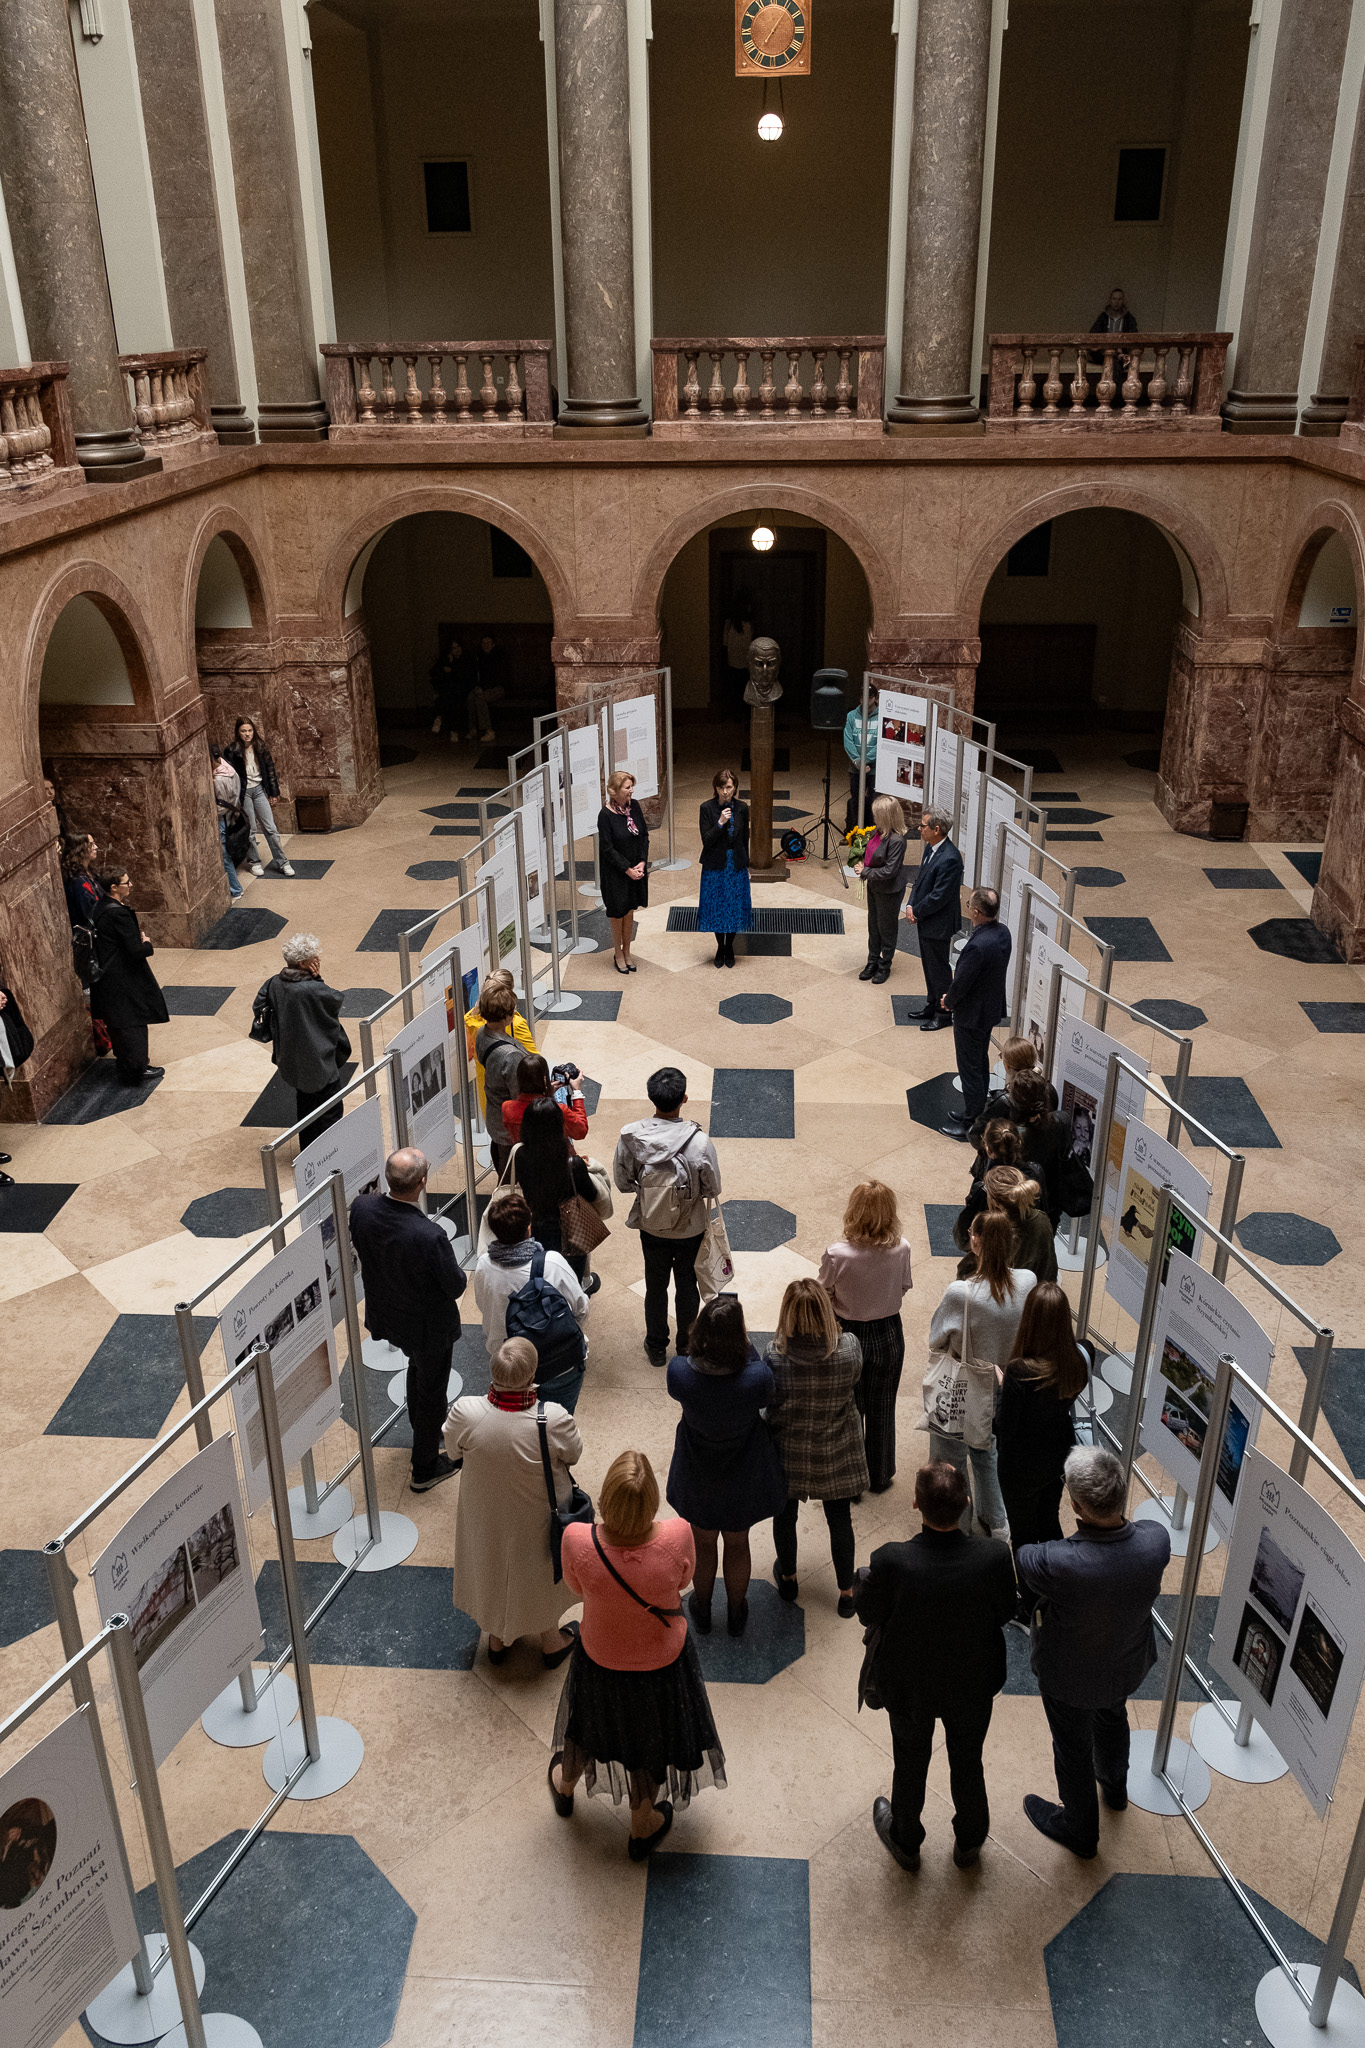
x=959 y=1393
x=263 y=1015
x=485 y=1227
x=601 y=1183
x=581 y=1229
x=715 y=1265
x=661 y=1614
x=579 y=1508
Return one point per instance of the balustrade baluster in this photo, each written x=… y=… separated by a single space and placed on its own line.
x=364 y=393
x=412 y=393
x=1132 y=383
x=1028 y=384
x=19 y=434
x=819 y=390
x=715 y=390
x=8 y=430
x=390 y=396
x=514 y=411
x=1052 y=389
x=741 y=393
x=1156 y=383
x=843 y=390
x=691 y=387
x=488 y=390
x=793 y=391
x=1184 y=384
x=1079 y=386
x=32 y=413
x=464 y=397
x=767 y=390
x=437 y=391
x=142 y=402
x=42 y=433
x=1105 y=389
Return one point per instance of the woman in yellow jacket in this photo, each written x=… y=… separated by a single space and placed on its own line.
x=473 y=1025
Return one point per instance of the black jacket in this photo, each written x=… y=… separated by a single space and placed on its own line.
x=977 y=995
x=1095 y=1644
x=309 y=1044
x=1033 y=1429
x=236 y=755
x=943 y=1600
x=885 y=873
x=413 y=1280
x=717 y=840
x=1100 y=323
x=16 y=1031
x=1045 y=1147
x=127 y=992
x=998 y=1104
x=936 y=892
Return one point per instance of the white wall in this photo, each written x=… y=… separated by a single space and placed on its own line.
x=1330 y=596
x=221 y=598
x=84 y=663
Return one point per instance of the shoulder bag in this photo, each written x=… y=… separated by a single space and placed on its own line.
x=959 y=1393
x=485 y=1227
x=578 y=1508
x=581 y=1228
x=263 y=1015
x=661 y=1614
x=715 y=1266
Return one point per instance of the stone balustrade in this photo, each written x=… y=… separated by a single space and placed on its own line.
x=467 y=389
x=1106 y=382
x=170 y=399
x=37 y=444
x=702 y=385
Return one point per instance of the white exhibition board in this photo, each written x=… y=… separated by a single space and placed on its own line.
x=354 y=1148
x=282 y=1305
x=1148 y=1160
x=423 y=1047
x=1045 y=954
x=445 y=965
x=1000 y=801
x=1014 y=872
x=1079 y=1067
x=634 y=742
x=943 y=773
x=500 y=869
x=67 y=1925
x=969 y=810
x=1198 y=1321
x=554 y=756
x=1290 y=1633
x=585 y=768
x=902 y=722
x=181 y=1571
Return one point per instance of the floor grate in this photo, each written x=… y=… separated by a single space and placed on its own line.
x=683 y=918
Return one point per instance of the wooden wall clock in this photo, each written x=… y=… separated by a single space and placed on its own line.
x=772 y=38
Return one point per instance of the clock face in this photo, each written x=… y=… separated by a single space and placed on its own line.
x=772 y=36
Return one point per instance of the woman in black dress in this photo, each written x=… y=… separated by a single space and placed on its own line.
x=624 y=837
x=126 y=993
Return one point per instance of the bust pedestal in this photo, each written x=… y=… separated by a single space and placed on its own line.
x=763 y=864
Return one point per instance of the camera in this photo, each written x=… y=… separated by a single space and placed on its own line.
x=562 y=1079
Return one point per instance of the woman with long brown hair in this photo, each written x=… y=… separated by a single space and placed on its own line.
x=867 y=1275
x=978 y=1320
x=815 y=1423
x=1033 y=1425
x=1012 y=1192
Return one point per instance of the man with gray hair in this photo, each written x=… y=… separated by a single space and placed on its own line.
x=308 y=1041
x=1093 y=1643
x=935 y=910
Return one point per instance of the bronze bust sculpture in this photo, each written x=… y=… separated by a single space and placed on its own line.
x=765 y=659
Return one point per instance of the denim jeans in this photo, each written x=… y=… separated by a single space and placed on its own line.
x=259 y=816
x=985 y=1486
x=233 y=879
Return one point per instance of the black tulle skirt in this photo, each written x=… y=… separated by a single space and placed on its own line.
x=631 y=1733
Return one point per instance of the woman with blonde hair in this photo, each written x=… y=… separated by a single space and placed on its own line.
x=1035 y=1246
x=634 y=1714
x=623 y=837
x=977 y=1319
x=883 y=876
x=815 y=1423
x=866 y=1275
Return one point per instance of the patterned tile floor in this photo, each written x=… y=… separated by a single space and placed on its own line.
x=774 y=1915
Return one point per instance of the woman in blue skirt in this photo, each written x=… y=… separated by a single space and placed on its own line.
x=724 y=907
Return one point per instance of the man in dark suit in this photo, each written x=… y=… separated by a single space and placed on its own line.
x=942 y=1601
x=1093 y=1643
x=976 y=1001
x=413 y=1282
x=935 y=910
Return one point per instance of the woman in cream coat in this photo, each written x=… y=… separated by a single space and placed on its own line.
x=504 y=1577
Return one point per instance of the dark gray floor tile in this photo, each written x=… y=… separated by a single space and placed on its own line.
x=30 y=1205
x=242 y=927
x=277 y=1107
x=755 y=1009
x=434 y=871
x=596 y=1006
x=1343 y=1400
x=99 y=1093
x=1175 y=1016
x=1309 y=866
x=228 y=1212
x=383 y=935
x=400 y=1620
x=753 y=1102
x=1099 y=878
x=132 y=1382
x=1243 y=878
x=1074 y=838
x=186 y=1001
x=774 y=1638
x=25 y=1598
x=932 y=1101
x=1335 y=1016
x=939 y=1218
x=1296 y=938
x=362 y=1002
x=1077 y=817
x=753 y=1990
x=1132 y=938
x=757 y=1226
x=1286 y=1239
x=1226 y=1106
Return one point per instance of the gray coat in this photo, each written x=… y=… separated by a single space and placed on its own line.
x=309 y=1043
x=1094 y=1643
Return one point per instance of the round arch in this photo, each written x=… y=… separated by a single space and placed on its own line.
x=225 y=523
x=125 y=617
x=1195 y=553
x=649 y=582
x=380 y=516
x=1305 y=545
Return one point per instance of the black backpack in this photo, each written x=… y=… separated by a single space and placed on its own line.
x=539 y=1312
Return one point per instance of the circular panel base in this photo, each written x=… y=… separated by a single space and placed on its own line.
x=1100 y=1396
x=343 y=1748
x=669 y=867
x=397 y=1540
x=585 y=944
x=1260 y=1763
x=332 y=1512
x=1284 y=2016
x=398 y=1389
x=1188 y=1769
x=221 y=2030
x=1118 y=1370
x=593 y=895
x=558 y=1006
x=1073 y=1262
x=1152 y=1511
x=382 y=1356
x=121 y=2013
x=226 y=1722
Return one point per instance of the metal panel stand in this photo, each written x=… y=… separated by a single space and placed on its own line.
x=1245 y=1753
x=397 y=1540
x=398 y=1388
x=1185 y=1765
x=343 y=1751
x=1164 y=1509
x=233 y=1724
x=381 y=1356
x=326 y=1519
x=1284 y=2017
x=122 y=2013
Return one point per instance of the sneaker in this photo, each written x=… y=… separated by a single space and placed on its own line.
x=234 y=900
x=256 y=868
x=657 y=1354
x=446 y=1468
x=592 y=1283
x=285 y=868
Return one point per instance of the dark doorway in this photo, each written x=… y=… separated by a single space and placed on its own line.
x=786 y=592
x=1036 y=677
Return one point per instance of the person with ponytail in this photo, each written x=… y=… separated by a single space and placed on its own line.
x=1016 y=1196
x=987 y=1307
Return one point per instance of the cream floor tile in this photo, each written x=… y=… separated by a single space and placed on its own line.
x=74 y=1152
x=761 y=1278
x=444 y=2013
x=30 y=1261
x=841 y=1077
x=152 y=1279
x=623 y=1066
x=978 y=2022
x=238 y=1066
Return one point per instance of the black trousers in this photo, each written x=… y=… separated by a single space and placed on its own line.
x=912 y=1745
x=670 y=1258
x=973 y=1049
x=130 y=1049
x=938 y=973
x=312 y=1099
x=1088 y=1743
x=839 y=1521
x=883 y=1347
x=851 y=814
x=428 y=1380
x=883 y=909
x=1032 y=1509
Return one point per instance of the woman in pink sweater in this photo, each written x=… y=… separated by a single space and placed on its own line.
x=866 y=1275
x=634 y=1711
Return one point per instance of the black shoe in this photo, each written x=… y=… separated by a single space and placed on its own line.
x=729 y=952
x=592 y=1283
x=938 y=1023
x=563 y=1800
x=965 y=1858
x=956 y=1130
x=552 y=1659
x=6 y=1180
x=642 y=1847
x=499 y=1656
x=445 y=1468
x=881 y=974
x=657 y=1354
x=5 y=1158
x=908 y=1859
x=1114 y=1797
x=1050 y=1819
x=885 y=1487
x=787 y=1589
x=868 y=971
x=847 y=1607
x=719 y=960
x=701 y=1616
x=736 y=1618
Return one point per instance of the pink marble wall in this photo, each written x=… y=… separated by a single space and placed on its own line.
x=1299 y=740
x=1212 y=720
x=239 y=675
x=1339 y=899
x=328 y=696
x=35 y=958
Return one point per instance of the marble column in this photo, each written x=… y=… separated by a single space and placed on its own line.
x=260 y=118
x=947 y=154
x=592 y=81
x=54 y=226
x=1346 y=311
x=1291 y=185
x=1339 y=898
x=181 y=156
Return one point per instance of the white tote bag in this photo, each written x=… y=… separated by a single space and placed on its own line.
x=715 y=1267
x=959 y=1393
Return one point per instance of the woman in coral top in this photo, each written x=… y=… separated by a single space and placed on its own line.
x=634 y=1712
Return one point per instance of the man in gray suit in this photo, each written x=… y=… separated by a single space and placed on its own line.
x=1093 y=1643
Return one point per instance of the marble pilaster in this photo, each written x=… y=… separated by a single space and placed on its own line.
x=1299 y=739
x=240 y=677
x=326 y=692
x=1346 y=312
x=35 y=944
x=1339 y=898
x=1212 y=723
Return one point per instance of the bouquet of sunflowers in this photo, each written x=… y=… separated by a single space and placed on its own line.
x=856 y=842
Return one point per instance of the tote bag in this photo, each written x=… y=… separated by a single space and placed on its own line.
x=959 y=1393
x=715 y=1267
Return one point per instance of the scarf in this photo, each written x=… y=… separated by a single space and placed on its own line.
x=512 y=1400
x=512 y=1254
x=629 y=816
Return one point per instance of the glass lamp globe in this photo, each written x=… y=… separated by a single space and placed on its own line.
x=762 y=538
x=769 y=127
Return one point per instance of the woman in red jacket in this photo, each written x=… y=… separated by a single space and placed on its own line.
x=533 y=1083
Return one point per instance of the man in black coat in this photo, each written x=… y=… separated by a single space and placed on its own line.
x=127 y=995
x=976 y=1001
x=1093 y=1643
x=413 y=1282
x=942 y=1601
x=935 y=910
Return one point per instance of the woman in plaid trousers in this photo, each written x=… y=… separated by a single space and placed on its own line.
x=815 y=1424
x=867 y=1275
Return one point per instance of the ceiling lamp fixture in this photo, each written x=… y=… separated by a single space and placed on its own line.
x=770 y=125
x=762 y=538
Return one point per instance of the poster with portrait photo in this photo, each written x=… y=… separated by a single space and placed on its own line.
x=67 y=1924
x=175 y=1568
x=1289 y=1638
x=424 y=1050
x=354 y=1148
x=1045 y=953
x=1198 y=1320
x=1148 y=1162
x=285 y=1297
x=902 y=723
